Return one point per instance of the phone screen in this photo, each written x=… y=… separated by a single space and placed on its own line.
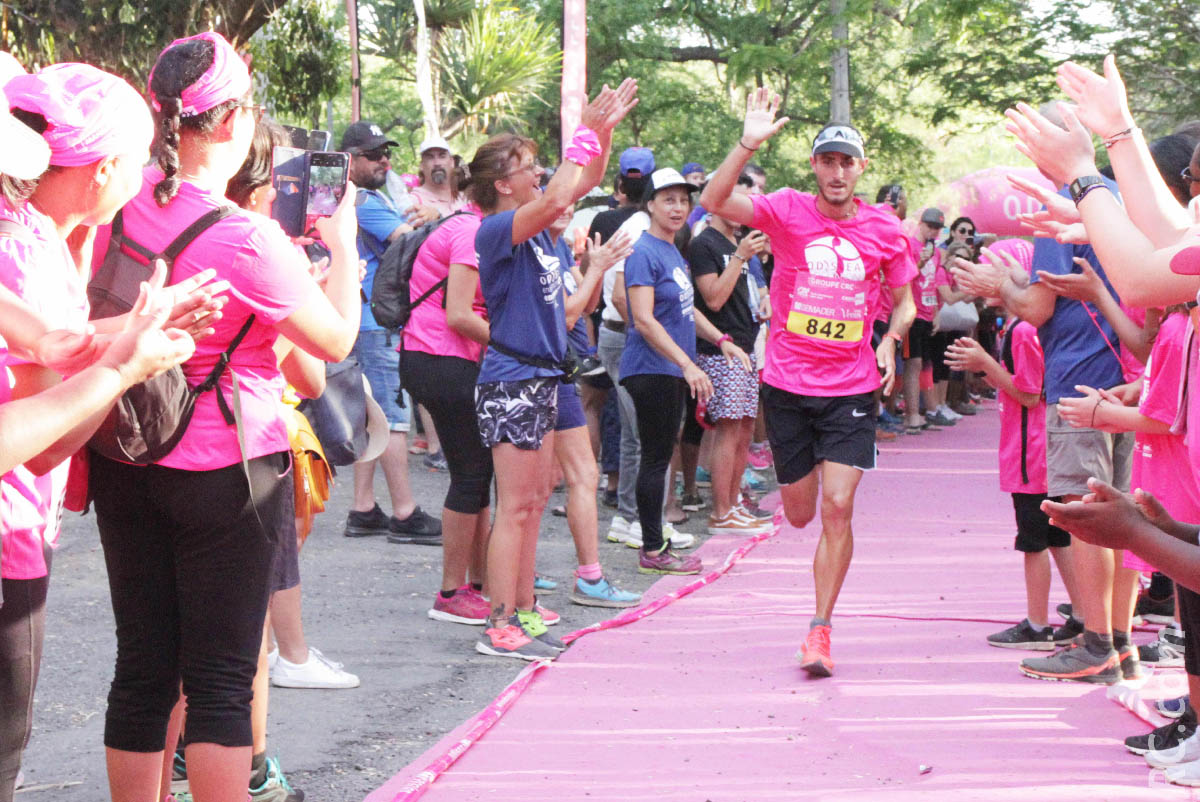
x=326 y=184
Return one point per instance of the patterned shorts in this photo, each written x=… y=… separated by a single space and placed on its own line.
x=517 y=412
x=735 y=392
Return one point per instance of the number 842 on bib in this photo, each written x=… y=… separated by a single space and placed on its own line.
x=821 y=328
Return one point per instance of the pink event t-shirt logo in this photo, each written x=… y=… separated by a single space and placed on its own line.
x=824 y=254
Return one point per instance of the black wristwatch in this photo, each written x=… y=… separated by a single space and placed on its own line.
x=1083 y=185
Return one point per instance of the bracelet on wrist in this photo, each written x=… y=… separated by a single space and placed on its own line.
x=1120 y=136
x=744 y=145
x=1080 y=187
x=723 y=339
x=1099 y=401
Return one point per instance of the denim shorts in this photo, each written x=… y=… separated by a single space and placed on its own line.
x=380 y=362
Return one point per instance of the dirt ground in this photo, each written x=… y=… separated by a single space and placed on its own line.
x=365 y=603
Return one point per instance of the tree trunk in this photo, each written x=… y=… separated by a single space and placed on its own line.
x=425 y=74
x=574 y=69
x=839 y=100
x=355 y=74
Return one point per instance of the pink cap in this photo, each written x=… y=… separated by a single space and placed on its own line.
x=90 y=114
x=1019 y=249
x=227 y=79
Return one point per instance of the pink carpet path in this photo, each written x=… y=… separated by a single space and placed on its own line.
x=704 y=701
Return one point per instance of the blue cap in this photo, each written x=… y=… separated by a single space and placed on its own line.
x=640 y=159
x=692 y=167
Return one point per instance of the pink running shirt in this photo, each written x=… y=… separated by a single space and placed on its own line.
x=825 y=291
x=1028 y=367
x=269 y=279
x=37 y=267
x=1160 y=461
x=452 y=243
x=924 y=285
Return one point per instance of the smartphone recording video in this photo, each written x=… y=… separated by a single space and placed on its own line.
x=326 y=184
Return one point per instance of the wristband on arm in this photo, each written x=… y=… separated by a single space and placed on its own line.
x=584 y=147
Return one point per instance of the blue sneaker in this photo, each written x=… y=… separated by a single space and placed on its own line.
x=1172 y=708
x=889 y=419
x=602 y=593
x=703 y=477
x=751 y=481
x=543 y=583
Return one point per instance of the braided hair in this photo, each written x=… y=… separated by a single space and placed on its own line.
x=178 y=68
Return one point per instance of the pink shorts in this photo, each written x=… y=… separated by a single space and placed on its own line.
x=1136 y=563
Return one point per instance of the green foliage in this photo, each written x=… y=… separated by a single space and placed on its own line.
x=499 y=59
x=303 y=57
x=122 y=36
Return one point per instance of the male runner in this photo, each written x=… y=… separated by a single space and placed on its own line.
x=820 y=372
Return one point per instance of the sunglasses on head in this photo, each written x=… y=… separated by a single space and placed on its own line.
x=377 y=155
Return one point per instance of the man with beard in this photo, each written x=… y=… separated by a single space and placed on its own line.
x=821 y=371
x=437 y=189
x=380 y=222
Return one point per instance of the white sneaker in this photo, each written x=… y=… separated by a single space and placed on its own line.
x=949 y=413
x=272 y=658
x=678 y=540
x=1184 y=774
x=1185 y=751
x=316 y=672
x=633 y=536
x=618 y=530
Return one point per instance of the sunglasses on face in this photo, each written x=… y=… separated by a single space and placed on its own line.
x=970 y=232
x=379 y=154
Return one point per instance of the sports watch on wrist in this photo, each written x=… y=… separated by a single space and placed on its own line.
x=1081 y=186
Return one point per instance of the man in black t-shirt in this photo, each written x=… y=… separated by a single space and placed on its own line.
x=731 y=293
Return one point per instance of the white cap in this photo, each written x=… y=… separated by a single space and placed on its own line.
x=667 y=177
x=434 y=142
x=23 y=153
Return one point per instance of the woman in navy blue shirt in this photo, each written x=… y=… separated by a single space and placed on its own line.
x=516 y=392
x=658 y=365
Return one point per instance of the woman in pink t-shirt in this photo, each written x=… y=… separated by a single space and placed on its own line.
x=189 y=541
x=439 y=364
x=96 y=129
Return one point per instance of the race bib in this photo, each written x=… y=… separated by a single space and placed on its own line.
x=829 y=299
x=928 y=299
x=839 y=331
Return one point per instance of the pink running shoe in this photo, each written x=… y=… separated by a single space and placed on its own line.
x=549 y=617
x=814 y=654
x=760 y=456
x=667 y=562
x=466 y=606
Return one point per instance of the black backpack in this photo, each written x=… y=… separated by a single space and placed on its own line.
x=149 y=420
x=391 y=304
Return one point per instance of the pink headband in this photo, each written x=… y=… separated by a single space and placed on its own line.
x=227 y=78
x=90 y=114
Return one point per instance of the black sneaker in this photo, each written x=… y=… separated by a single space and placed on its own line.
x=362 y=524
x=1165 y=737
x=1156 y=611
x=1131 y=666
x=1068 y=631
x=1024 y=636
x=610 y=499
x=1065 y=610
x=416 y=528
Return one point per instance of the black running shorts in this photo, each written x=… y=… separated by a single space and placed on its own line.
x=1034 y=532
x=807 y=429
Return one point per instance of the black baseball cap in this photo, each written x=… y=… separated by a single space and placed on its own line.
x=363 y=136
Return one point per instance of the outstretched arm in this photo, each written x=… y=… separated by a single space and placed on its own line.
x=760 y=125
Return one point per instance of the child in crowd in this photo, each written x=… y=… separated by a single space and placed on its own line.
x=1022 y=455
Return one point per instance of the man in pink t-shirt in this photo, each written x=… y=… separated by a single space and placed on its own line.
x=821 y=371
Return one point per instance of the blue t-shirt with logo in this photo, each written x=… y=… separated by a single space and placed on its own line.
x=658 y=264
x=377 y=218
x=577 y=336
x=1077 y=341
x=522 y=288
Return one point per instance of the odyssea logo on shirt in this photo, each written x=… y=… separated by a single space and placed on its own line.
x=687 y=295
x=830 y=257
x=551 y=277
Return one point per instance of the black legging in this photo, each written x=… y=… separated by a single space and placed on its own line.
x=22 y=630
x=659 y=401
x=445 y=386
x=189 y=570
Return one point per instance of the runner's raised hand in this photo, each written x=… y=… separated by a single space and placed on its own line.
x=760 y=124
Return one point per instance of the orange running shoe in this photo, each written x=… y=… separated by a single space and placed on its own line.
x=814 y=654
